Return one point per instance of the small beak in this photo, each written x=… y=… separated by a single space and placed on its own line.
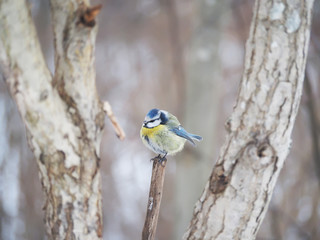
x=144 y=123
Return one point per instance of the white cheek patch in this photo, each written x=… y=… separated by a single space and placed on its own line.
x=154 y=123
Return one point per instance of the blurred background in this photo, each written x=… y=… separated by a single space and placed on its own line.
x=185 y=57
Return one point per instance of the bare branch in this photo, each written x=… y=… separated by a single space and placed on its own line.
x=154 y=200
x=117 y=128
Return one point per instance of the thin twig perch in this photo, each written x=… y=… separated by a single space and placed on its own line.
x=154 y=201
x=117 y=128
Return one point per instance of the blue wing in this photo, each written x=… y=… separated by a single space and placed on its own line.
x=181 y=132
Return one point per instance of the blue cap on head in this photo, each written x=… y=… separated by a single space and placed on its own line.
x=153 y=112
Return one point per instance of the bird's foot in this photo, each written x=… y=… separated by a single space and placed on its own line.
x=155 y=158
x=160 y=159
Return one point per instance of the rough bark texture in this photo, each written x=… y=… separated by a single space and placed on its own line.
x=154 y=200
x=62 y=113
x=237 y=195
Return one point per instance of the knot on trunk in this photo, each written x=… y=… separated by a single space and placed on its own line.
x=218 y=180
x=88 y=15
x=259 y=154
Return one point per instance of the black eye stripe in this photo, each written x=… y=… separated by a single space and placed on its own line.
x=153 y=120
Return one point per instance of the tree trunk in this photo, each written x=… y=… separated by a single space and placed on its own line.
x=62 y=113
x=237 y=195
x=194 y=164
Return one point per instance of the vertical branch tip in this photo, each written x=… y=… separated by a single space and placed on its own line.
x=154 y=200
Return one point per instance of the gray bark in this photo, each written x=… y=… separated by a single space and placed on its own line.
x=237 y=195
x=62 y=113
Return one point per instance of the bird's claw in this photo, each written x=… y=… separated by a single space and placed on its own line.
x=155 y=158
x=160 y=159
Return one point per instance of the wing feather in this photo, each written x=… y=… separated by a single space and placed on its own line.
x=181 y=132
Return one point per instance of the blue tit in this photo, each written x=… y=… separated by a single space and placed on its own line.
x=162 y=133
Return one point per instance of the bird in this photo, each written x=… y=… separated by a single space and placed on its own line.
x=163 y=134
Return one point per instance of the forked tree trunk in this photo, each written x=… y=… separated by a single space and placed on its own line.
x=237 y=195
x=64 y=117
x=62 y=113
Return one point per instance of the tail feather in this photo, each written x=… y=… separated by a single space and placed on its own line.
x=196 y=137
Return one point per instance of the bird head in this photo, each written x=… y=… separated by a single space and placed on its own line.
x=155 y=117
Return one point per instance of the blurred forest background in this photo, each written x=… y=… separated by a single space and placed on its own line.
x=185 y=57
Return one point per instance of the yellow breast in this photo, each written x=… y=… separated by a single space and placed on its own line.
x=150 y=131
x=161 y=140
